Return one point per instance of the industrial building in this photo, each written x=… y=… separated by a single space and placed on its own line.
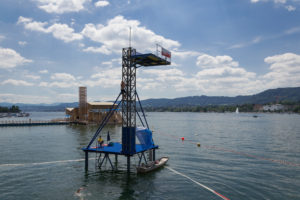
x=92 y=112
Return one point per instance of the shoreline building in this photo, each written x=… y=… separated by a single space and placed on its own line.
x=92 y=112
x=273 y=107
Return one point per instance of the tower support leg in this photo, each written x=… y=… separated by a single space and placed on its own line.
x=150 y=155
x=116 y=158
x=86 y=160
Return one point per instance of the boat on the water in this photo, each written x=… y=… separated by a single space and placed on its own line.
x=150 y=166
x=237 y=110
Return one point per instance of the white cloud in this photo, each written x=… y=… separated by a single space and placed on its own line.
x=216 y=75
x=16 y=82
x=256 y=40
x=101 y=3
x=290 y=8
x=67 y=97
x=284 y=71
x=292 y=30
x=107 y=78
x=61 y=6
x=108 y=63
x=59 y=31
x=22 y=43
x=114 y=36
x=224 y=71
x=2 y=37
x=24 y=20
x=275 y=1
x=101 y=49
x=32 y=25
x=43 y=71
x=63 y=84
x=161 y=79
x=60 y=84
x=164 y=73
x=61 y=80
x=222 y=75
x=73 y=21
x=281 y=3
x=184 y=54
x=64 y=32
x=43 y=84
x=9 y=59
x=237 y=46
x=34 y=77
x=63 y=77
x=115 y=62
x=18 y=98
x=23 y=98
x=219 y=75
x=207 y=61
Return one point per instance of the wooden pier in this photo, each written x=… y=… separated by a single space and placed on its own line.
x=10 y=123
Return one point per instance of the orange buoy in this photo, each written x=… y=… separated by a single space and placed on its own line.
x=182 y=138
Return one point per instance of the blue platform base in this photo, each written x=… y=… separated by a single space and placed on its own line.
x=117 y=149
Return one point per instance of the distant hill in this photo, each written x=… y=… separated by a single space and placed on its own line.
x=268 y=96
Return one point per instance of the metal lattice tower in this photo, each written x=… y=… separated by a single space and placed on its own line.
x=128 y=101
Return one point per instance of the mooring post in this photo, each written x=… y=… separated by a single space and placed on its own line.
x=128 y=163
x=86 y=160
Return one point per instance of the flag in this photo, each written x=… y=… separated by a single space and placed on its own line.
x=165 y=52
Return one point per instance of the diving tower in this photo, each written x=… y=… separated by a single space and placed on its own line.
x=131 y=60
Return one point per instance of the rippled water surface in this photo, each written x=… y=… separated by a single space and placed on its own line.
x=241 y=157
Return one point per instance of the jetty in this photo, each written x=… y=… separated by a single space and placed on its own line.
x=9 y=123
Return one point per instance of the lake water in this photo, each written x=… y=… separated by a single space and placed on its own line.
x=241 y=157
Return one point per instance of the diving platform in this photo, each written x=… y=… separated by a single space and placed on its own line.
x=116 y=149
x=131 y=60
x=149 y=59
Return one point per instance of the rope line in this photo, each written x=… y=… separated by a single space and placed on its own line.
x=42 y=163
x=282 y=162
x=200 y=184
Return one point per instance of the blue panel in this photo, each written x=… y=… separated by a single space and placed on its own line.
x=128 y=140
x=116 y=148
x=145 y=137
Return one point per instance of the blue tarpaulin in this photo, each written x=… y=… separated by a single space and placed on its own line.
x=144 y=135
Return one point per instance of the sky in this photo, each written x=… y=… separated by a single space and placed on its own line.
x=48 y=48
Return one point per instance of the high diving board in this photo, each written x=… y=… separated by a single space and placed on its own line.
x=149 y=59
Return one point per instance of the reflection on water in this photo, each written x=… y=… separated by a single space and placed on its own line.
x=231 y=159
